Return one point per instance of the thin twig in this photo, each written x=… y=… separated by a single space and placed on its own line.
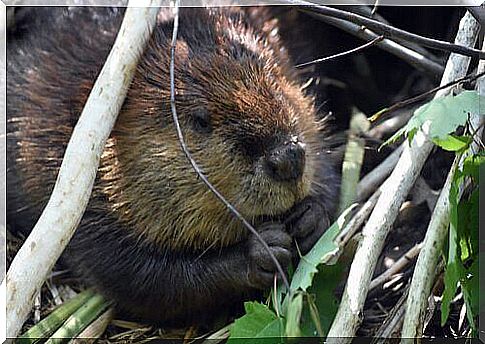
x=344 y=53
x=393 y=194
x=389 y=31
x=396 y=267
x=389 y=126
x=394 y=320
x=77 y=173
x=412 y=57
x=468 y=78
x=192 y=162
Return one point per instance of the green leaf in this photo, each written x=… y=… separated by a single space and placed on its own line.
x=441 y=116
x=321 y=296
x=324 y=249
x=453 y=143
x=468 y=232
x=258 y=322
x=446 y=114
x=452 y=277
x=467 y=226
x=461 y=269
x=321 y=253
x=471 y=165
x=471 y=292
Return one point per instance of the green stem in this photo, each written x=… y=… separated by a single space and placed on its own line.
x=80 y=319
x=354 y=156
x=52 y=322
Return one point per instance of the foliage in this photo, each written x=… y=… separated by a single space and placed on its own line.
x=324 y=249
x=463 y=252
x=258 y=322
x=322 y=304
x=440 y=117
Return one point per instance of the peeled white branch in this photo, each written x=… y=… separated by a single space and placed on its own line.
x=76 y=176
x=423 y=276
x=394 y=192
x=357 y=220
x=436 y=233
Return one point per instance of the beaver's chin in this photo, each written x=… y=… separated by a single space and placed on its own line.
x=274 y=200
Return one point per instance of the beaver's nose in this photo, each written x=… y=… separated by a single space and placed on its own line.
x=286 y=163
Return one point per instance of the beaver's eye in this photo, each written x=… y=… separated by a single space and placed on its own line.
x=201 y=121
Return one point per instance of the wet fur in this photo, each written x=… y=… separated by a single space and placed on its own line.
x=154 y=238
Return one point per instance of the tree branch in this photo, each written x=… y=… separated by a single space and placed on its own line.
x=369 y=12
x=374 y=178
x=72 y=190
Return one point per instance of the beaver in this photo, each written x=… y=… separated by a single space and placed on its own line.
x=154 y=239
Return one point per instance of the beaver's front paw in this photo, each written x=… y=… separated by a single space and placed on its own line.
x=262 y=267
x=307 y=222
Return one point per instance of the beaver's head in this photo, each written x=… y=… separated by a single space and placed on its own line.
x=249 y=127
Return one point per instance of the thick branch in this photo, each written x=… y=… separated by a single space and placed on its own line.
x=393 y=193
x=76 y=176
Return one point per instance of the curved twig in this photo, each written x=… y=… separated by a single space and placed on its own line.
x=407 y=54
x=344 y=53
x=192 y=162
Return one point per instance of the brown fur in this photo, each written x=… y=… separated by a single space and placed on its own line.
x=145 y=186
